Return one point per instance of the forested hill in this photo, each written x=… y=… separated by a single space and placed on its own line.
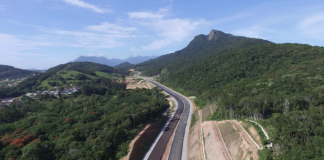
x=282 y=84
x=89 y=66
x=125 y=67
x=63 y=75
x=9 y=72
x=97 y=122
x=201 y=48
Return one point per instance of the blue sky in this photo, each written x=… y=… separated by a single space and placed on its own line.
x=44 y=33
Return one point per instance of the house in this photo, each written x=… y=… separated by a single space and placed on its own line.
x=31 y=94
x=5 y=103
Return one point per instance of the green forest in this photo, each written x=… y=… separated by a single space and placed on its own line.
x=280 y=85
x=9 y=72
x=97 y=122
x=63 y=75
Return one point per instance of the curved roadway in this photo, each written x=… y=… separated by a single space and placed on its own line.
x=178 y=150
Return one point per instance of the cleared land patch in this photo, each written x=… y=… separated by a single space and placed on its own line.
x=214 y=145
x=133 y=83
x=252 y=131
x=239 y=145
x=194 y=143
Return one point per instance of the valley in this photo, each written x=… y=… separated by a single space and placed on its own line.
x=249 y=99
x=161 y=80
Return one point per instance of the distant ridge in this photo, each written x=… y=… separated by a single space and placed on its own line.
x=113 y=62
x=9 y=72
x=201 y=49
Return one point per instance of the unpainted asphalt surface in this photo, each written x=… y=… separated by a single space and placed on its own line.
x=178 y=123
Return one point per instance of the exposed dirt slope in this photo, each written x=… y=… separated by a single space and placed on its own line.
x=253 y=132
x=194 y=143
x=239 y=144
x=214 y=146
x=131 y=145
x=133 y=83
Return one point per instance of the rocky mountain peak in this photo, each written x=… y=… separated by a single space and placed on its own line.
x=214 y=34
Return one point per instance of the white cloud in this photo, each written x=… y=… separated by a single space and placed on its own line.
x=313 y=26
x=145 y=15
x=255 y=31
x=167 y=30
x=112 y=29
x=18 y=52
x=85 y=5
x=94 y=55
x=15 y=45
x=82 y=39
x=104 y=35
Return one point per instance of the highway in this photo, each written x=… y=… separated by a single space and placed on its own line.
x=178 y=150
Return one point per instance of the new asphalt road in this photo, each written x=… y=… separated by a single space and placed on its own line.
x=179 y=124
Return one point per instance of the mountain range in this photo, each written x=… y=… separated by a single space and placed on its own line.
x=113 y=62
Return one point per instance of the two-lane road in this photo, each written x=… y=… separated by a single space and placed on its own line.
x=179 y=123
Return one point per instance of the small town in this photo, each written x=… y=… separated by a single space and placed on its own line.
x=11 y=82
x=55 y=92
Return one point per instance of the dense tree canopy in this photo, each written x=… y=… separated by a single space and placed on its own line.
x=280 y=83
x=9 y=72
x=96 y=123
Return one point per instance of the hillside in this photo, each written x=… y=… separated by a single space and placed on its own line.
x=69 y=74
x=125 y=67
x=201 y=48
x=113 y=62
x=97 y=122
x=282 y=84
x=9 y=72
x=125 y=64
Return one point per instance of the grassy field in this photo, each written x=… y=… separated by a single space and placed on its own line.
x=68 y=74
x=69 y=78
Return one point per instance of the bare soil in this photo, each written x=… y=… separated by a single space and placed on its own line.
x=239 y=145
x=134 y=86
x=133 y=83
x=194 y=143
x=131 y=145
x=145 y=139
x=253 y=132
x=194 y=107
x=214 y=145
x=205 y=113
x=169 y=111
x=213 y=107
x=140 y=82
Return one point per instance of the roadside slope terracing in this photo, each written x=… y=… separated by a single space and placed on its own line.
x=134 y=82
x=238 y=143
x=214 y=146
x=252 y=131
x=194 y=143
